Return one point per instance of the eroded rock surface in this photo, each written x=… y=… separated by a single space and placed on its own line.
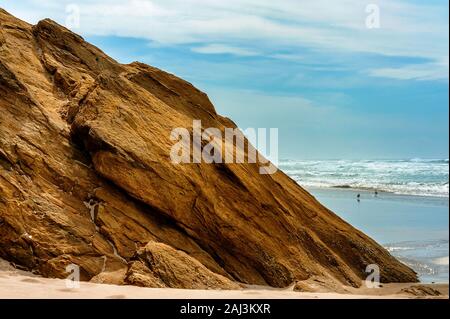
x=420 y=291
x=86 y=178
x=159 y=265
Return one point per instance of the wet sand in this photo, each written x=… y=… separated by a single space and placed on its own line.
x=415 y=227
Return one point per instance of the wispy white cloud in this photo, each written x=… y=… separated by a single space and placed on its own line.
x=421 y=72
x=266 y=27
x=223 y=49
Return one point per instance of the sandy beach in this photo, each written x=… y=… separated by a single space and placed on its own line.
x=389 y=217
x=17 y=284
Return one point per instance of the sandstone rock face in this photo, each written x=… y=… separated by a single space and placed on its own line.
x=420 y=291
x=159 y=265
x=86 y=178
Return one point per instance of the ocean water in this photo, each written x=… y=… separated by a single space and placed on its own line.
x=409 y=216
x=423 y=177
x=429 y=258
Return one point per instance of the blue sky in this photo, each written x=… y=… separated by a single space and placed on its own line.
x=333 y=87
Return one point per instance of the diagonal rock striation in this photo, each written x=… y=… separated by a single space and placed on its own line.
x=86 y=178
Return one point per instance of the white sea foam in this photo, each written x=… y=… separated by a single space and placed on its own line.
x=424 y=177
x=442 y=261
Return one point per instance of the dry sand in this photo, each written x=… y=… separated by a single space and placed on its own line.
x=15 y=283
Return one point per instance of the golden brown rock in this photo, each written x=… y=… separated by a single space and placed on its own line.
x=420 y=291
x=159 y=265
x=86 y=177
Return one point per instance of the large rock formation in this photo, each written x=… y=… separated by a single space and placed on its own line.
x=86 y=178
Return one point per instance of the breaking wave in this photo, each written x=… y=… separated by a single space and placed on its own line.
x=422 y=177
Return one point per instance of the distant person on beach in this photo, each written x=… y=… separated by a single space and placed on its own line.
x=376 y=193
x=358 y=197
